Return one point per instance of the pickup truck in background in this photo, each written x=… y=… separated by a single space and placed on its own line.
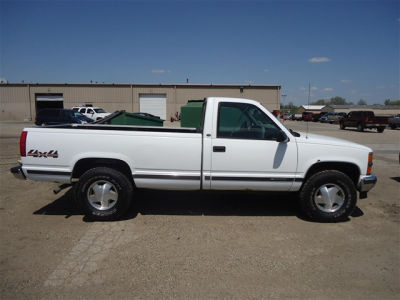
x=240 y=145
x=307 y=116
x=364 y=120
x=394 y=121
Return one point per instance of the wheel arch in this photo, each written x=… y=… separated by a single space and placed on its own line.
x=85 y=164
x=350 y=169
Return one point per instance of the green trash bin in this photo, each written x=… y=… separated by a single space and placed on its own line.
x=191 y=114
x=140 y=119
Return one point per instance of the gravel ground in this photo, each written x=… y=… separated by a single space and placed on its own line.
x=200 y=245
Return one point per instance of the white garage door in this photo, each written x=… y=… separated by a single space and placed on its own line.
x=155 y=104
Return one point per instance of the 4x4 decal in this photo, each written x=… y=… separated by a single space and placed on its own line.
x=37 y=153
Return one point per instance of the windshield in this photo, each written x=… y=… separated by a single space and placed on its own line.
x=79 y=116
x=99 y=110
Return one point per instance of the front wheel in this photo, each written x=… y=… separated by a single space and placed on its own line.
x=360 y=127
x=104 y=193
x=342 y=127
x=328 y=196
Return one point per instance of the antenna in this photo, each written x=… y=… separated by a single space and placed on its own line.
x=308 y=105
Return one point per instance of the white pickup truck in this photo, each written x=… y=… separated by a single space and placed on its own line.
x=240 y=146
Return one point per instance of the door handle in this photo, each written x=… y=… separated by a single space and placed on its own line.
x=219 y=149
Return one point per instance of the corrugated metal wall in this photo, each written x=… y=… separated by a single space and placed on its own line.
x=17 y=101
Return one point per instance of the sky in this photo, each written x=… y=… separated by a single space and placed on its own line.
x=341 y=48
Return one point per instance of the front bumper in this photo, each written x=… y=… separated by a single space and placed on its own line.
x=18 y=173
x=366 y=182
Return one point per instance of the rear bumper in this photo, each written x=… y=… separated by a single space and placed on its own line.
x=18 y=173
x=366 y=182
x=375 y=125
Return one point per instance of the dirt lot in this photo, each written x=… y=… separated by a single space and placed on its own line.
x=200 y=245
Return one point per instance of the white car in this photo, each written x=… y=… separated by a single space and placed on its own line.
x=239 y=146
x=93 y=112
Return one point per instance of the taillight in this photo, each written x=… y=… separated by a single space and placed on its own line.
x=370 y=163
x=22 y=143
x=366 y=119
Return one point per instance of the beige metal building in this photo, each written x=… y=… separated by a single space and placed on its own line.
x=20 y=101
x=379 y=110
x=310 y=108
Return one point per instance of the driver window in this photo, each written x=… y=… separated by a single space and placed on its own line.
x=245 y=121
x=89 y=111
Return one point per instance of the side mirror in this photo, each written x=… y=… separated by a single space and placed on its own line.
x=282 y=137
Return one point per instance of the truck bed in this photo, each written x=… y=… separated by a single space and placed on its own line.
x=157 y=156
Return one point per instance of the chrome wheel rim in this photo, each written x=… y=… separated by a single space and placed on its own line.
x=102 y=195
x=329 y=198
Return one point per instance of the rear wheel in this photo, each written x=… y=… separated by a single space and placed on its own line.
x=328 y=196
x=380 y=129
x=342 y=126
x=360 y=127
x=104 y=193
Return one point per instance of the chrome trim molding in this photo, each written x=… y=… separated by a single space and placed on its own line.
x=269 y=179
x=40 y=172
x=169 y=177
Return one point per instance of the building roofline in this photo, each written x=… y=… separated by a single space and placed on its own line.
x=369 y=106
x=189 y=85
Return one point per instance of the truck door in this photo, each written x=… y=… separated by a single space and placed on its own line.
x=245 y=154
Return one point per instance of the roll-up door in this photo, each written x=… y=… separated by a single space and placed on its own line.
x=49 y=101
x=155 y=104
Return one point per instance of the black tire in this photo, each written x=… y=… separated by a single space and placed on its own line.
x=118 y=187
x=360 y=127
x=342 y=127
x=330 y=179
x=393 y=126
x=380 y=129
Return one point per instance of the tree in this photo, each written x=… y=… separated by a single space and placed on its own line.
x=338 y=101
x=389 y=102
x=361 y=102
x=289 y=107
x=319 y=102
